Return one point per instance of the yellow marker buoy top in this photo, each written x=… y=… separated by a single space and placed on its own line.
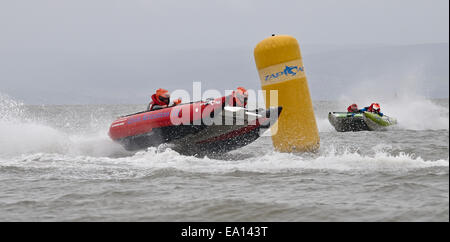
x=275 y=50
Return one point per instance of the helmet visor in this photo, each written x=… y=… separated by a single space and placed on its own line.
x=165 y=100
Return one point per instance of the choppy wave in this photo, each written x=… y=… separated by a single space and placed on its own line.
x=26 y=140
x=49 y=161
x=164 y=160
x=30 y=142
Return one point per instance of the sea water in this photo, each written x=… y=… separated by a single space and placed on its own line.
x=57 y=163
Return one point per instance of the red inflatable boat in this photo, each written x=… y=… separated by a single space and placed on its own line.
x=198 y=128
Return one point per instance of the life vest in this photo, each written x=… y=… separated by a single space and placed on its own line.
x=350 y=109
x=155 y=102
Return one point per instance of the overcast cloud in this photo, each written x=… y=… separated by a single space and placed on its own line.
x=150 y=24
x=63 y=47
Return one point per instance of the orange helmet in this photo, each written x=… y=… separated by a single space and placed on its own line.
x=376 y=106
x=163 y=96
x=242 y=90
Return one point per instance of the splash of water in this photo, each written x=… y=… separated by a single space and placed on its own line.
x=22 y=134
x=324 y=125
x=418 y=113
x=10 y=109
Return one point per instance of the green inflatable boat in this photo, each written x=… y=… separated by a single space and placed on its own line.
x=377 y=122
x=345 y=122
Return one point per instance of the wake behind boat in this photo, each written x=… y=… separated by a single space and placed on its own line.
x=198 y=128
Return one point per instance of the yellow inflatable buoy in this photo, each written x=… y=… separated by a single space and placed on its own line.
x=281 y=69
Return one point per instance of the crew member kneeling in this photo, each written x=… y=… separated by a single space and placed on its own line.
x=161 y=99
x=373 y=108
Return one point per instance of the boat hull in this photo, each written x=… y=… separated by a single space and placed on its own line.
x=346 y=122
x=376 y=122
x=352 y=122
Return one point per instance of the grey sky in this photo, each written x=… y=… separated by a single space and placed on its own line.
x=150 y=24
x=120 y=51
